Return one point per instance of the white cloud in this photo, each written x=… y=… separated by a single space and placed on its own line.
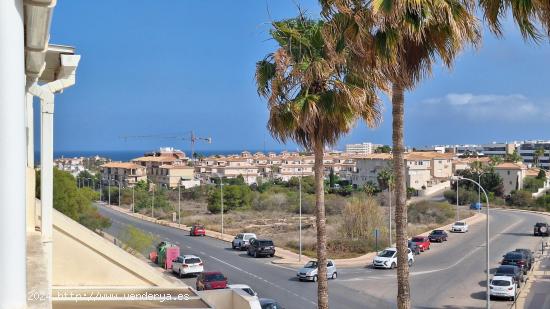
x=513 y=107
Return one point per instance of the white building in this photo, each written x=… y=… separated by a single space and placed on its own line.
x=363 y=148
x=527 y=150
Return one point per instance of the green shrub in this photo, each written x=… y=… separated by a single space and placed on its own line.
x=533 y=184
x=521 y=198
x=464 y=196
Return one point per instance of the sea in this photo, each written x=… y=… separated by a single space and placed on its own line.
x=127 y=155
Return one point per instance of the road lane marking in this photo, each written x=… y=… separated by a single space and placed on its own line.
x=262 y=279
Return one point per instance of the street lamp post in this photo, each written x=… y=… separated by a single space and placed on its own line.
x=109 y=185
x=221 y=197
x=479 y=190
x=119 y=189
x=133 y=199
x=300 y=207
x=153 y=202
x=487 y=248
x=179 y=204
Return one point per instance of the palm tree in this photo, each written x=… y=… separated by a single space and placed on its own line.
x=539 y=153
x=406 y=39
x=526 y=14
x=313 y=99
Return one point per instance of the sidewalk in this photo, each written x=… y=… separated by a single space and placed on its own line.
x=534 y=294
x=287 y=257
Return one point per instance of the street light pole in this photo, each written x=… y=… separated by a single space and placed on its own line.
x=119 y=189
x=487 y=247
x=457 y=214
x=133 y=199
x=179 y=204
x=221 y=191
x=109 y=184
x=389 y=189
x=300 y=194
x=153 y=203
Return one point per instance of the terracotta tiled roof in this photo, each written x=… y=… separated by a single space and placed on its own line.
x=127 y=165
x=155 y=159
x=510 y=166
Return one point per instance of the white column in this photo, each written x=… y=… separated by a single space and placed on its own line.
x=46 y=182
x=29 y=113
x=12 y=157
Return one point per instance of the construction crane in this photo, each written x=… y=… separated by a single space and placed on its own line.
x=188 y=136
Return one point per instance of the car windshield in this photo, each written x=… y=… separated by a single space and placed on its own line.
x=311 y=264
x=459 y=223
x=192 y=261
x=437 y=232
x=418 y=239
x=214 y=277
x=513 y=256
x=199 y=226
x=540 y=224
x=500 y=283
x=506 y=270
x=266 y=243
x=248 y=237
x=386 y=253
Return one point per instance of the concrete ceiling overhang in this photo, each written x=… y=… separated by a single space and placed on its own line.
x=38 y=16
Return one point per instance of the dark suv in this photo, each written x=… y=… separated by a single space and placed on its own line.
x=510 y=271
x=261 y=247
x=517 y=259
x=438 y=236
x=541 y=229
x=529 y=254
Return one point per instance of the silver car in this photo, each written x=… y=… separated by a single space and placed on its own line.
x=242 y=241
x=309 y=271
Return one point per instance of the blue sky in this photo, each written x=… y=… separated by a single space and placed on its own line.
x=157 y=67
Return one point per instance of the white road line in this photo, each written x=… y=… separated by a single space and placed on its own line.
x=262 y=279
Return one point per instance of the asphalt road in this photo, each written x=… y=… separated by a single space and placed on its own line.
x=450 y=275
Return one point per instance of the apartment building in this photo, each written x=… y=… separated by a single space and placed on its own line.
x=362 y=148
x=527 y=151
x=128 y=174
x=499 y=149
x=423 y=169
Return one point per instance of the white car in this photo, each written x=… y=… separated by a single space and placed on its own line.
x=388 y=258
x=187 y=265
x=503 y=286
x=243 y=287
x=309 y=271
x=459 y=227
x=242 y=240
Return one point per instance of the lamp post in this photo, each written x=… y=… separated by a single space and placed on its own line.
x=300 y=207
x=488 y=295
x=221 y=197
x=479 y=190
x=179 y=204
x=109 y=185
x=153 y=202
x=133 y=199
x=389 y=189
x=457 y=211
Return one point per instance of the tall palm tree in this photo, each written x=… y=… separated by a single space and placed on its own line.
x=313 y=99
x=539 y=153
x=527 y=14
x=406 y=38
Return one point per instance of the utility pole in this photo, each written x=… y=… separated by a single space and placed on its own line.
x=389 y=192
x=221 y=198
x=300 y=207
x=153 y=202
x=179 y=204
x=133 y=199
x=109 y=184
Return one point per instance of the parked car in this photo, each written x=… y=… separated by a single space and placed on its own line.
x=187 y=265
x=422 y=241
x=414 y=248
x=541 y=229
x=459 y=227
x=242 y=240
x=503 y=286
x=475 y=206
x=197 y=230
x=211 y=281
x=518 y=259
x=388 y=258
x=530 y=256
x=261 y=247
x=438 y=236
x=267 y=303
x=243 y=287
x=309 y=271
x=510 y=271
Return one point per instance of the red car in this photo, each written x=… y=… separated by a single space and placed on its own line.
x=197 y=230
x=422 y=242
x=211 y=281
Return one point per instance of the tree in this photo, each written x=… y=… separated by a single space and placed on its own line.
x=74 y=202
x=234 y=197
x=526 y=14
x=495 y=160
x=513 y=157
x=541 y=174
x=539 y=153
x=403 y=39
x=313 y=99
x=383 y=149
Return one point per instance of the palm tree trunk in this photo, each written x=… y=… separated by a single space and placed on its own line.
x=403 y=287
x=322 y=284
